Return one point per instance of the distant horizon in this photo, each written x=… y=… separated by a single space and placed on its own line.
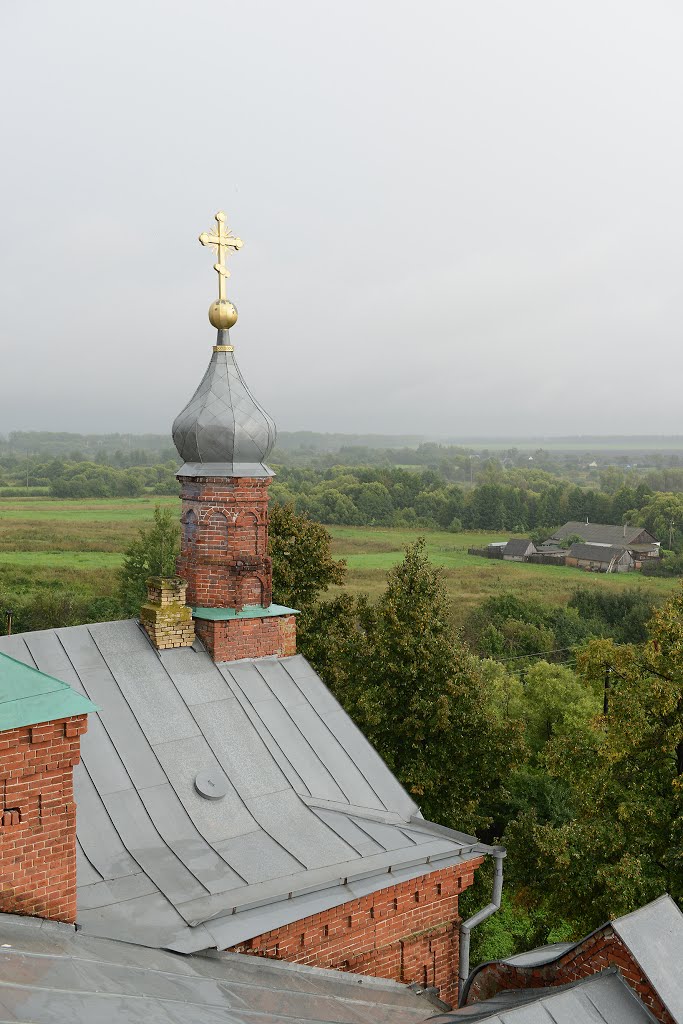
x=404 y=438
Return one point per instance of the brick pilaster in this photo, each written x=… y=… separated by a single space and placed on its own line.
x=38 y=818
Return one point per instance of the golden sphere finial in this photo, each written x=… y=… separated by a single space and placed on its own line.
x=222 y=314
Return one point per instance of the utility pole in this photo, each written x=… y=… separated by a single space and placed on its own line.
x=605 y=701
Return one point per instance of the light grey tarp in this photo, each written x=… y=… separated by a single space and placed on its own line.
x=602 y=999
x=51 y=974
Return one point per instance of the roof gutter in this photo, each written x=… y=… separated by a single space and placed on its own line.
x=498 y=853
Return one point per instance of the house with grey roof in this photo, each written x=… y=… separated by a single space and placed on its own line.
x=600 y=557
x=638 y=542
x=518 y=549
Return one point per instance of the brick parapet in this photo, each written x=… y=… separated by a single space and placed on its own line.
x=407 y=932
x=598 y=952
x=232 y=639
x=38 y=818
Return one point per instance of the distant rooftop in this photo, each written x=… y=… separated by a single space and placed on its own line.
x=603 y=533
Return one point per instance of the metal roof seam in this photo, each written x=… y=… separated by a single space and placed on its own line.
x=136 y=789
x=336 y=738
x=241 y=798
x=263 y=729
x=113 y=823
x=300 y=732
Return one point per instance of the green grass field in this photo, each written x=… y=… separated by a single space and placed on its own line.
x=45 y=543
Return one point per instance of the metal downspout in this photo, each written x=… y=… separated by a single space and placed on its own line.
x=498 y=853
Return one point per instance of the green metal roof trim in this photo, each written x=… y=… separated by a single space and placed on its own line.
x=28 y=696
x=250 y=611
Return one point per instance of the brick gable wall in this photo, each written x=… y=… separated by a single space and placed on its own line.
x=38 y=818
x=596 y=953
x=407 y=932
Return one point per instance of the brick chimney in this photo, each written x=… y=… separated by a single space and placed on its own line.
x=41 y=724
x=224 y=438
x=165 y=616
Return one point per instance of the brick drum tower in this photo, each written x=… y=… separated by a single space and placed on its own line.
x=224 y=438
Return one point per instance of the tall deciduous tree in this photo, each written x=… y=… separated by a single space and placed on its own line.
x=152 y=553
x=418 y=694
x=624 y=844
x=303 y=565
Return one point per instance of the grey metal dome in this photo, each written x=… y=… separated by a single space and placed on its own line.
x=223 y=431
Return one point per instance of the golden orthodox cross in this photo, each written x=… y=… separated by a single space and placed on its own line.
x=222 y=242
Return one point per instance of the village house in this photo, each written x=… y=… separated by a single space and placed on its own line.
x=600 y=558
x=518 y=550
x=640 y=544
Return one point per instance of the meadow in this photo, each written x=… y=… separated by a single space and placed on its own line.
x=64 y=544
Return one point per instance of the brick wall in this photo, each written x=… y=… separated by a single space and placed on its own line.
x=38 y=818
x=224 y=541
x=596 y=953
x=407 y=932
x=232 y=639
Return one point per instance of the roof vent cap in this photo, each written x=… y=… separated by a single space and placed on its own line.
x=213 y=784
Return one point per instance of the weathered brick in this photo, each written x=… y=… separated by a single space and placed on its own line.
x=387 y=934
x=38 y=819
x=596 y=953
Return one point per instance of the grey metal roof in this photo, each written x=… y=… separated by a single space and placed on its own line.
x=601 y=533
x=601 y=999
x=51 y=974
x=312 y=817
x=223 y=424
x=596 y=552
x=654 y=935
x=540 y=955
x=518 y=546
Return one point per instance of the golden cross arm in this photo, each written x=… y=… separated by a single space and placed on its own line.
x=222 y=241
x=213 y=239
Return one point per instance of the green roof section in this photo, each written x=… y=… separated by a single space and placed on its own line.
x=28 y=696
x=250 y=611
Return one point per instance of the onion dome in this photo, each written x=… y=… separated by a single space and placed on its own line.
x=223 y=431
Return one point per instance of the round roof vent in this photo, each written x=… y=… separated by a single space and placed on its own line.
x=211 y=784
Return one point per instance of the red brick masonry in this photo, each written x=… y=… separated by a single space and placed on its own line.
x=407 y=932
x=596 y=953
x=232 y=639
x=224 y=541
x=38 y=818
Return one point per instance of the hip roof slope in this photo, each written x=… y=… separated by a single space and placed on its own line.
x=311 y=817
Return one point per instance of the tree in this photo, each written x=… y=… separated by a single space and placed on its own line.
x=420 y=696
x=623 y=843
x=303 y=565
x=152 y=553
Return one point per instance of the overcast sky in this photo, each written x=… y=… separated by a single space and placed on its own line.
x=459 y=216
